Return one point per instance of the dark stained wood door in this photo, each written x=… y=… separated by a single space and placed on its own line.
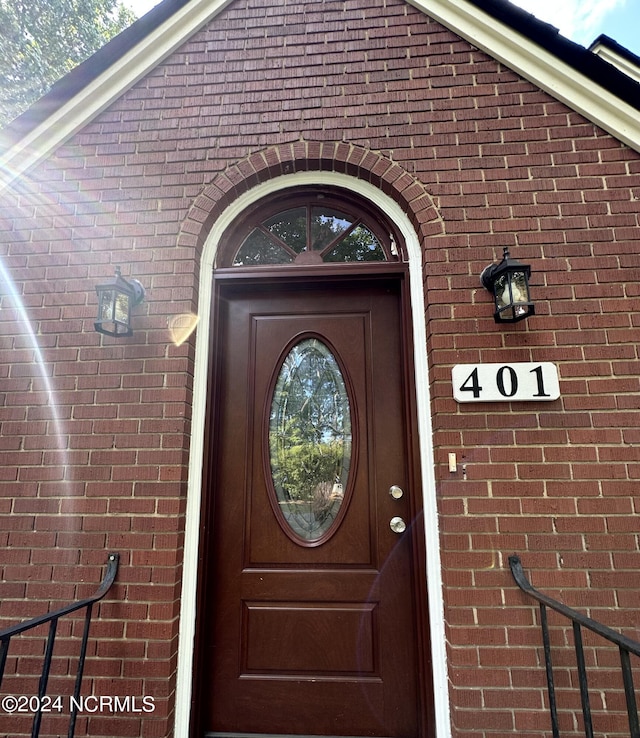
x=310 y=637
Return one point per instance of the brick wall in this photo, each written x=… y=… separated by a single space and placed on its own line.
x=94 y=433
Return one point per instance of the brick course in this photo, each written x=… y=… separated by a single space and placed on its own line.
x=94 y=434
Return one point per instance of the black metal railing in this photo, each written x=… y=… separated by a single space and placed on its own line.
x=625 y=645
x=53 y=618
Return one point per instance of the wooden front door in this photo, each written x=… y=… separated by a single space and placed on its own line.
x=311 y=624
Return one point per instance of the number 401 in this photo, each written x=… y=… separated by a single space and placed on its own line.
x=502 y=382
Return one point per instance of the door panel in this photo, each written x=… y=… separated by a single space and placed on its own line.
x=275 y=630
x=311 y=638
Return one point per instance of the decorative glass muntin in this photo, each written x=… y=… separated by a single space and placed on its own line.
x=289 y=228
x=323 y=231
x=259 y=248
x=309 y=442
x=327 y=224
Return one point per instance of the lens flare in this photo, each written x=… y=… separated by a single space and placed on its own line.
x=8 y=288
x=182 y=326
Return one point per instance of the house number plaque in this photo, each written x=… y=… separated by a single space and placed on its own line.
x=515 y=382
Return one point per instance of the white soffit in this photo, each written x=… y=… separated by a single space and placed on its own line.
x=481 y=29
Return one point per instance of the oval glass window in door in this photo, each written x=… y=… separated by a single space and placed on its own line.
x=309 y=441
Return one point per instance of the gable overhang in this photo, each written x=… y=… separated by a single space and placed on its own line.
x=134 y=64
x=516 y=50
x=538 y=65
x=617 y=55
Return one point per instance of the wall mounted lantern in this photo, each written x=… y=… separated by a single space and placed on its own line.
x=115 y=301
x=508 y=282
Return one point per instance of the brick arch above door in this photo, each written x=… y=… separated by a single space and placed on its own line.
x=344 y=158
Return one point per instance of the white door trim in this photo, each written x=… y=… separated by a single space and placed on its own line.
x=194 y=493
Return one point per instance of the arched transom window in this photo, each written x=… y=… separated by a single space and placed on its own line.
x=309 y=227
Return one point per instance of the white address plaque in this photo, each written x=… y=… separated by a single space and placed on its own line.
x=516 y=382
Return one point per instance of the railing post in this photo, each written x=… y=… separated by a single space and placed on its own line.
x=551 y=689
x=44 y=677
x=76 y=690
x=4 y=650
x=629 y=693
x=582 y=679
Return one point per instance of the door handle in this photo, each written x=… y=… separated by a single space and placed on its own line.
x=396 y=492
x=397 y=525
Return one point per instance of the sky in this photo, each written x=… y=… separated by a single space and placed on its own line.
x=580 y=20
x=584 y=20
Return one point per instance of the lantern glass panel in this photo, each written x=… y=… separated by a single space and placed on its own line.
x=512 y=296
x=106 y=305
x=121 y=308
x=511 y=288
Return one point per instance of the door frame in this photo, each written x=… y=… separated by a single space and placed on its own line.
x=432 y=565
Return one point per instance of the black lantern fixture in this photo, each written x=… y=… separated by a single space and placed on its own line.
x=508 y=282
x=115 y=300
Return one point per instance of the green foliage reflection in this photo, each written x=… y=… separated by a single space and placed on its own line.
x=310 y=438
x=316 y=230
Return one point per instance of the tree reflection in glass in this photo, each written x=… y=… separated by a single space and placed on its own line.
x=310 y=439
x=333 y=235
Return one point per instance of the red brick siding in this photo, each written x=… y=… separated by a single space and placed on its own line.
x=94 y=433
